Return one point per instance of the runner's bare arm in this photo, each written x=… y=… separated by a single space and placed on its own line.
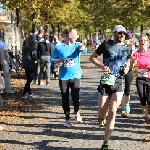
x=94 y=60
x=132 y=63
x=127 y=66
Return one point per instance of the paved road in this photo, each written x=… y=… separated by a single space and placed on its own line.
x=39 y=124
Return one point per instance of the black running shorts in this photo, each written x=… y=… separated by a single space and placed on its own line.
x=107 y=90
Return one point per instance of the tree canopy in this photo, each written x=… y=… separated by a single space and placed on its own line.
x=85 y=15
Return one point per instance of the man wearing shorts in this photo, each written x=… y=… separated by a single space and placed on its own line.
x=116 y=62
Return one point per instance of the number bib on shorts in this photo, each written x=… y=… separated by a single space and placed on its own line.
x=108 y=79
x=143 y=73
x=69 y=62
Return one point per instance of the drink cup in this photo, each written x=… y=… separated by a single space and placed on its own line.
x=80 y=44
x=60 y=64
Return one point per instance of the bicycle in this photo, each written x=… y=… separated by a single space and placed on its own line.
x=15 y=63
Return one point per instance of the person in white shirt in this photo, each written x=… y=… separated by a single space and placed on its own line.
x=6 y=73
x=1 y=79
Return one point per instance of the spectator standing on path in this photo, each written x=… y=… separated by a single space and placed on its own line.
x=6 y=73
x=29 y=55
x=67 y=55
x=116 y=62
x=44 y=53
x=38 y=38
x=142 y=58
x=1 y=83
x=39 y=34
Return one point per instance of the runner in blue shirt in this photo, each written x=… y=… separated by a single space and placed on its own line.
x=67 y=56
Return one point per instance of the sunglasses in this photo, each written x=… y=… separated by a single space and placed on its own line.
x=120 y=33
x=143 y=40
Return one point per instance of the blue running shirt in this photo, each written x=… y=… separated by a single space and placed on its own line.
x=114 y=56
x=70 y=56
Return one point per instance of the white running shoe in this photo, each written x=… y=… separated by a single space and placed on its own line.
x=78 y=118
x=67 y=123
x=25 y=96
x=35 y=82
x=1 y=91
x=10 y=92
x=41 y=83
x=1 y=127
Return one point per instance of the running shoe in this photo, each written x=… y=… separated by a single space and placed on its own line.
x=35 y=82
x=41 y=83
x=78 y=118
x=48 y=83
x=67 y=123
x=1 y=92
x=123 y=114
x=127 y=109
x=10 y=92
x=102 y=122
x=31 y=94
x=104 y=146
x=1 y=127
x=25 y=96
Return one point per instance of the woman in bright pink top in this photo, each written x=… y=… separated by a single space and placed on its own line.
x=142 y=58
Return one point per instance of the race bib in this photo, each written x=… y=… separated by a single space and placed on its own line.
x=108 y=79
x=69 y=62
x=143 y=73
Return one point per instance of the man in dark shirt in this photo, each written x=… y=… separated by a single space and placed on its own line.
x=116 y=62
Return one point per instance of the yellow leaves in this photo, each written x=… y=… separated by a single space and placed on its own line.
x=34 y=5
x=144 y=3
x=76 y=12
x=36 y=20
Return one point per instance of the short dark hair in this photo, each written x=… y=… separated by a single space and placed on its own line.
x=51 y=38
x=46 y=37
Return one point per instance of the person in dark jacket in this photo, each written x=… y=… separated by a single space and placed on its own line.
x=38 y=38
x=1 y=69
x=29 y=55
x=44 y=53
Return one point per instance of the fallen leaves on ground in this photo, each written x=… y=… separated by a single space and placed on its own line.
x=13 y=104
